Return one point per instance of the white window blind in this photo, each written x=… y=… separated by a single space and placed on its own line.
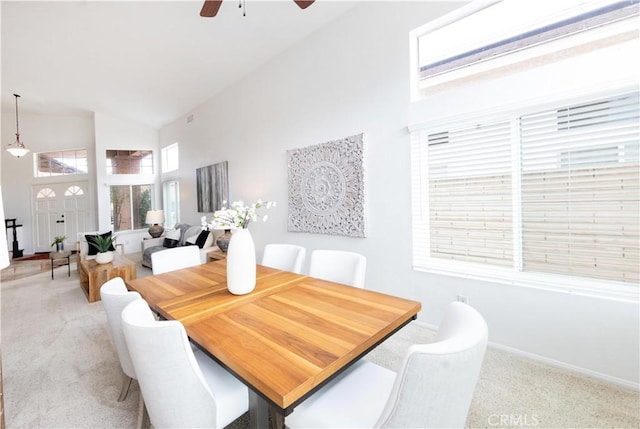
x=555 y=192
x=468 y=184
x=580 y=190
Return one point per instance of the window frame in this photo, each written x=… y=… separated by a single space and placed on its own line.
x=165 y=185
x=131 y=206
x=39 y=174
x=511 y=275
x=164 y=157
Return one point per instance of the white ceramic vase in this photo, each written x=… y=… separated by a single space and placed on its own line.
x=104 y=257
x=241 y=263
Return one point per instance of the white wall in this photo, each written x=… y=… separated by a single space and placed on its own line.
x=40 y=133
x=118 y=133
x=351 y=77
x=96 y=133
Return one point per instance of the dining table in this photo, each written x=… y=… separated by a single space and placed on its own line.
x=287 y=338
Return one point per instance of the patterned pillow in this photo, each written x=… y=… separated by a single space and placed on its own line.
x=171 y=239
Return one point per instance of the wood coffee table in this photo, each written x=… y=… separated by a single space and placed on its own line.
x=94 y=275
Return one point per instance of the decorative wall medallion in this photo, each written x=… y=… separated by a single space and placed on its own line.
x=326 y=188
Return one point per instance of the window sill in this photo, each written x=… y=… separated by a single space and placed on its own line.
x=603 y=289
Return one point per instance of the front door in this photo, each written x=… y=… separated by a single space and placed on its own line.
x=59 y=209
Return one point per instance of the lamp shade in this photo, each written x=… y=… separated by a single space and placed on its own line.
x=4 y=251
x=154 y=217
x=18 y=151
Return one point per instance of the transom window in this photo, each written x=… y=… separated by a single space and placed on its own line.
x=60 y=163
x=129 y=161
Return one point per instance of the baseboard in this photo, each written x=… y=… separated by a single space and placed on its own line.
x=555 y=363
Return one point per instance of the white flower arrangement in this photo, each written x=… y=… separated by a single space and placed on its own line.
x=238 y=216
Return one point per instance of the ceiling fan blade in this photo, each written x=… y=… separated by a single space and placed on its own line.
x=303 y=4
x=210 y=8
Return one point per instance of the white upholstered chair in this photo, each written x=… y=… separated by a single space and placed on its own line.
x=433 y=389
x=287 y=257
x=175 y=259
x=338 y=266
x=115 y=297
x=181 y=388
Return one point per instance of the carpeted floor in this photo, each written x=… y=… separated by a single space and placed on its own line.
x=60 y=371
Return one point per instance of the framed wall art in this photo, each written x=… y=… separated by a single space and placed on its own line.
x=326 y=188
x=212 y=183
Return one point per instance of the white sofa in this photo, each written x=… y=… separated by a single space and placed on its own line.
x=186 y=234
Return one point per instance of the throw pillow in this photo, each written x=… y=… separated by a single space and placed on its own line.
x=191 y=240
x=171 y=238
x=202 y=238
x=91 y=238
x=169 y=243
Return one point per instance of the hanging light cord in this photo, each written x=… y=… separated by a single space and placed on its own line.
x=17 y=128
x=243 y=5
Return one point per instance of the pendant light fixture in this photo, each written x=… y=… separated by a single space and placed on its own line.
x=17 y=149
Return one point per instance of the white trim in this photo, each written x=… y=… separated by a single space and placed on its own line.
x=551 y=362
x=530 y=105
x=603 y=289
x=572 y=368
x=606 y=289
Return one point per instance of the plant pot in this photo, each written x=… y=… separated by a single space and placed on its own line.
x=59 y=247
x=241 y=263
x=104 y=257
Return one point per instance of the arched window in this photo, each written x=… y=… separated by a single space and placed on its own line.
x=73 y=190
x=46 y=193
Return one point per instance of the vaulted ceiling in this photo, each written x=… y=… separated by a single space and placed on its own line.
x=147 y=61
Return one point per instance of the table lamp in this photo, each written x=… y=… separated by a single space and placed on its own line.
x=154 y=218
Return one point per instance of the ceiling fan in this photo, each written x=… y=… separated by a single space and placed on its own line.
x=210 y=7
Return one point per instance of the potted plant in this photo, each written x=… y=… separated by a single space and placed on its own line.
x=59 y=242
x=103 y=243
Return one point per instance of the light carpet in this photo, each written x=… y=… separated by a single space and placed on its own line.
x=60 y=371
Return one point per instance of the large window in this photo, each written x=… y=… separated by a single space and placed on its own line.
x=60 y=163
x=129 y=206
x=529 y=196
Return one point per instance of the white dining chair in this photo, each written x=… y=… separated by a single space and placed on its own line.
x=287 y=257
x=338 y=266
x=433 y=389
x=181 y=388
x=115 y=297
x=175 y=259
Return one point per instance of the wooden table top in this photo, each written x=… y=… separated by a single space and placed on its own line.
x=288 y=336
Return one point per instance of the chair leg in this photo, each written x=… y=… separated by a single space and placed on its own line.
x=126 y=383
x=143 y=417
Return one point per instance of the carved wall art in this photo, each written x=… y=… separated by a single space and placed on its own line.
x=326 y=188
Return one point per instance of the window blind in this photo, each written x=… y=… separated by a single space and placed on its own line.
x=462 y=199
x=526 y=196
x=580 y=189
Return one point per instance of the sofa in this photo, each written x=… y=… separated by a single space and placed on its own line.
x=182 y=234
